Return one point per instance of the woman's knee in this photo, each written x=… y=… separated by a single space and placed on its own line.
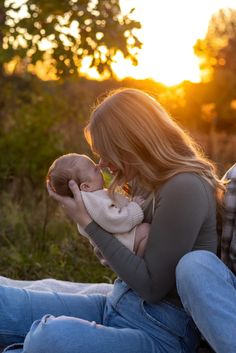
x=193 y=268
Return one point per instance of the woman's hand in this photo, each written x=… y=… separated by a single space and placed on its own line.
x=73 y=207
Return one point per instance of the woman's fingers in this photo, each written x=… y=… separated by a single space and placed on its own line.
x=72 y=206
x=53 y=194
x=75 y=190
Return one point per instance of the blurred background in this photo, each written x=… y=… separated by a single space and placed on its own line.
x=56 y=58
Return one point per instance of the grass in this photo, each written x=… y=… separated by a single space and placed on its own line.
x=38 y=241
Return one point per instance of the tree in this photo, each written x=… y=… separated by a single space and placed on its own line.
x=67 y=31
x=217 y=51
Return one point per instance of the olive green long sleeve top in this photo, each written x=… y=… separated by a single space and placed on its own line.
x=184 y=220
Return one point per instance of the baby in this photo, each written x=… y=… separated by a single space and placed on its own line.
x=120 y=216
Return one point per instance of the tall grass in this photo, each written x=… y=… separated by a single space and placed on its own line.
x=38 y=241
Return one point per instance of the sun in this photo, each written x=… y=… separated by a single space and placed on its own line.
x=169 y=31
x=170 y=70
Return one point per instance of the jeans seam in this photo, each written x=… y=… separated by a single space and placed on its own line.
x=159 y=323
x=120 y=301
x=108 y=318
x=150 y=318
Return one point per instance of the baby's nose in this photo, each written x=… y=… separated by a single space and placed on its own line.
x=102 y=163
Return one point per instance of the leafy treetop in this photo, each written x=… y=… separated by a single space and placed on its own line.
x=217 y=51
x=67 y=31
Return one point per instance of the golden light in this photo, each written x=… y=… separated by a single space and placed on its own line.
x=233 y=104
x=169 y=31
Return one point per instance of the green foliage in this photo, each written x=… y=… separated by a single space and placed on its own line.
x=37 y=241
x=38 y=122
x=67 y=31
x=35 y=126
x=25 y=130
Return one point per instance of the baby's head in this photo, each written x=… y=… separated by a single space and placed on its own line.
x=74 y=166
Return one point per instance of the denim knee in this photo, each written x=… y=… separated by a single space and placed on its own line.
x=59 y=334
x=192 y=270
x=41 y=337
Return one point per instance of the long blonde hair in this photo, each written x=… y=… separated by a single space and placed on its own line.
x=129 y=126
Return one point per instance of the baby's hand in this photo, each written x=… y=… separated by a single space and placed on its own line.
x=139 y=200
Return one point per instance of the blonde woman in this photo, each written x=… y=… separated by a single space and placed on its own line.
x=150 y=156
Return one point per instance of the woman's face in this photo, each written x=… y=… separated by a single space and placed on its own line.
x=129 y=172
x=111 y=167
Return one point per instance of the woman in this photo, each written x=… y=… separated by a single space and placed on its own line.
x=150 y=156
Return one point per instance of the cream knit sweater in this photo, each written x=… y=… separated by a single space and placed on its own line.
x=119 y=217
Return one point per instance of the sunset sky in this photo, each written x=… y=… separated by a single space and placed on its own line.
x=169 y=31
x=170 y=28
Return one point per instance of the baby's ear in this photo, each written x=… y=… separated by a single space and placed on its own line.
x=84 y=187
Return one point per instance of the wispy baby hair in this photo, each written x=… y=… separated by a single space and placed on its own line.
x=62 y=170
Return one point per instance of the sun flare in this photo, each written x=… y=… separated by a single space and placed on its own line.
x=169 y=31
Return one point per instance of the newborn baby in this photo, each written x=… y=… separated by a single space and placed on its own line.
x=119 y=216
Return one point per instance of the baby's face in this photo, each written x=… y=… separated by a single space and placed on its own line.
x=93 y=174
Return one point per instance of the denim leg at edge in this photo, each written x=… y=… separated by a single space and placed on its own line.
x=19 y=308
x=130 y=326
x=208 y=292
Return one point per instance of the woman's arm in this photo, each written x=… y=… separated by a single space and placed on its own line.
x=182 y=208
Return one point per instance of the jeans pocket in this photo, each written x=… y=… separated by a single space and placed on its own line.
x=168 y=317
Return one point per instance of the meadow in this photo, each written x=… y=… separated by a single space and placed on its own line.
x=38 y=122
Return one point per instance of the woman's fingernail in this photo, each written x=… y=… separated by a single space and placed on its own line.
x=71 y=183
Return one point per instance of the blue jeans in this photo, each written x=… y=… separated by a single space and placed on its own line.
x=208 y=292
x=120 y=322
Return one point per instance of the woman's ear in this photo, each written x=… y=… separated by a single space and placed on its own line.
x=84 y=187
